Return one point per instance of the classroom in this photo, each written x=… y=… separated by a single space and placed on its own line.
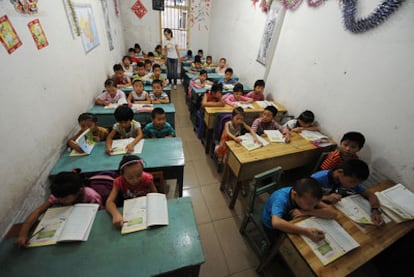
x=352 y=81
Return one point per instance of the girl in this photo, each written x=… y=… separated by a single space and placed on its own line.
x=213 y=97
x=233 y=99
x=112 y=95
x=173 y=55
x=138 y=95
x=133 y=182
x=127 y=66
x=200 y=82
x=66 y=189
x=305 y=121
x=221 y=68
x=158 y=51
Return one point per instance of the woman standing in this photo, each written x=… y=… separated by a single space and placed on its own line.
x=172 y=53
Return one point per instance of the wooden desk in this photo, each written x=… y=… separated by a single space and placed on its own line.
x=246 y=164
x=106 y=117
x=173 y=248
x=163 y=154
x=303 y=262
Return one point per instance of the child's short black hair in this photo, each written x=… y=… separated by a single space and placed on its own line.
x=140 y=64
x=209 y=57
x=137 y=46
x=155 y=65
x=131 y=50
x=65 y=183
x=238 y=88
x=271 y=109
x=87 y=116
x=197 y=59
x=137 y=80
x=236 y=111
x=128 y=160
x=150 y=54
x=123 y=113
x=308 y=185
x=157 y=47
x=110 y=83
x=158 y=81
x=147 y=61
x=307 y=116
x=217 y=87
x=355 y=168
x=118 y=67
x=259 y=83
x=223 y=59
x=156 y=111
x=356 y=137
x=126 y=57
x=200 y=51
x=189 y=53
x=203 y=71
x=229 y=69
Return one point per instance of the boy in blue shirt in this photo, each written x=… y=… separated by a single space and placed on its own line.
x=159 y=127
x=346 y=180
x=228 y=78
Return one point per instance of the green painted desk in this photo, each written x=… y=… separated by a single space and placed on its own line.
x=164 y=154
x=173 y=248
x=106 y=117
x=208 y=69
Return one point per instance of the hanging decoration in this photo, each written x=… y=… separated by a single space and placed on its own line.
x=116 y=7
x=139 y=9
x=38 y=34
x=315 y=3
x=199 y=13
x=8 y=35
x=291 y=4
x=264 y=4
x=381 y=13
x=28 y=7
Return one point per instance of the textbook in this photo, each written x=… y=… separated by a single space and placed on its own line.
x=337 y=241
x=312 y=135
x=274 y=135
x=119 y=146
x=68 y=223
x=145 y=211
x=86 y=142
x=397 y=202
x=265 y=103
x=143 y=107
x=244 y=105
x=249 y=144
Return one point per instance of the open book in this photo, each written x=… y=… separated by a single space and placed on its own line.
x=68 y=223
x=143 y=107
x=119 y=146
x=244 y=105
x=316 y=138
x=249 y=144
x=397 y=202
x=86 y=142
x=337 y=241
x=141 y=212
x=274 y=135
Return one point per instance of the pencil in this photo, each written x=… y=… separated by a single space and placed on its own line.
x=35 y=233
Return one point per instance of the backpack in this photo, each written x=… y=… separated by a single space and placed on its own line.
x=102 y=183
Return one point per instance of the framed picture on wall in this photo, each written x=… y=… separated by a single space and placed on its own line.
x=87 y=25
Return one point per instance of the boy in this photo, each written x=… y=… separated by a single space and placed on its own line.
x=200 y=53
x=303 y=199
x=148 y=66
x=228 y=80
x=132 y=55
x=151 y=57
x=196 y=66
x=351 y=143
x=213 y=97
x=112 y=95
x=346 y=180
x=156 y=75
x=232 y=99
x=158 y=96
x=257 y=93
x=121 y=80
x=159 y=127
x=267 y=122
x=209 y=62
x=141 y=73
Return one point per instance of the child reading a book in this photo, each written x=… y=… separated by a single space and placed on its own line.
x=221 y=68
x=199 y=82
x=305 y=121
x=351 y=143
x=156 y=75
x=267 y=122
x=111 y=95
x=233 y=99
x=158 y=96
x=120 y=78
x=213 y=98
x=126 y=127
x=138 y=95
x=301 y=199
x=88 y=121
x=133 y=182
x=159 y=127
x=257 y=93
x=346 y=180
x=66 y=189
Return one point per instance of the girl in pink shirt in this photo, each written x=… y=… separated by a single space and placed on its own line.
x=237 y=96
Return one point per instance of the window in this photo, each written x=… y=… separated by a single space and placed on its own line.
x=175 y=17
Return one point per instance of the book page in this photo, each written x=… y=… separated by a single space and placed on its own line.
x=402 y=197
x=75 y=153
x=143 y=107
x=356 y=207
x=134 y=214
x=244 y=105
x=79 y=223
x=86 y=141
x=249 y=144
x=312 y=135
x=119 y=146
x=266 y=103
x=157 y=210
x=274 y=135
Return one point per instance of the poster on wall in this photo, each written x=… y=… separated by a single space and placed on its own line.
x=38 y=34
x=71 y=17
x=86 y=20
x=28 y=7
x=8 y=35
x=200 y=13
x=139 y=9
x=273 y=19
x=107 y=24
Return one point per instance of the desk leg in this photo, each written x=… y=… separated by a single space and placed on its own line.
x=180 y=181
x=209 y=135
x=225 y=177
x=235 y=194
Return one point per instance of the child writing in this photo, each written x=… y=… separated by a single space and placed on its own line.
x=351 y=143
x=305 y=121
x=233 y=99
x=138 y=95
x=88 y=121
x=126 y=127
x=66 y=189
x=133 y=182
x=189 y=56
x=301 y=199
x=346 y=180
x=213 y=98
x=156 y=75
x=159 y=127
x=127 y=66
x=228 y=79
x=158 y=96
x=267 y=122
x=221 y=68
x=120 y=78
x=111 y=95
x=257 y=93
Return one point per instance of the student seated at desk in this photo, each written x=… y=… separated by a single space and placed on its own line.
x=301 y=199
x=120 y=78
x=127 y=65
x=200 y=53
x=221 y=68
x=158 y=51
x=188 y=57
x=213 y=98
x=141 y=72
x=138 y=50
x=228 y=78
x=196 y=66
x=350 y=145
x=111 y=95
x=156 y=74
x=232 y=99
x=267 y=122
x=132 y=55
x=125 y=127
x=66 y=189
x=257 y=93
x=133 y=182
x=88 y=121
x=209 y=62
x=199 y=82
x=305 y=121
x=148 y=66
x=346 y=180
x=138 y=95
x=159 y=127
x=157 y=95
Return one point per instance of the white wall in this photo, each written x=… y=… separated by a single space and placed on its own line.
x=360 y=82
x=43 y=92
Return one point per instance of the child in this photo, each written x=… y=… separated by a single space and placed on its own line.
x=158 y=51
x=159 y=127
x=303 y=199
x=148 y=66
x=138 y=95
x=257 y=93
x=112 y=95
x=126 y=127
x=213 y=98
x=127 y=66
x=158 y=96
x=221 y=68
x=141 y=73
x=138 y=50
x=66 y=189
x=209 y=62
x=196 y=66
x=200 y=53
x=88 y=120
x=199 y=82
x=346 y=180
x=305 y=121
x=236 y=97
x=156 y=75
x=151 y=57
x=189 y=56
x=232 y=130
x=267 y=122
x=133 y=182
x=121 y=80
x=132 y=55
x=350 y=144
x=228 y=80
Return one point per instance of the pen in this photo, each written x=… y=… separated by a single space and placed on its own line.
x=40 y=230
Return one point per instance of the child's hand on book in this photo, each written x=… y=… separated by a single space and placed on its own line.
x=286 y=137
x=377 y=218
x=333 y=198
x=130 y=148
x=118 y=220
x=22 y=241
x=238 y=140
x=315 y=234
x=108 y=150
